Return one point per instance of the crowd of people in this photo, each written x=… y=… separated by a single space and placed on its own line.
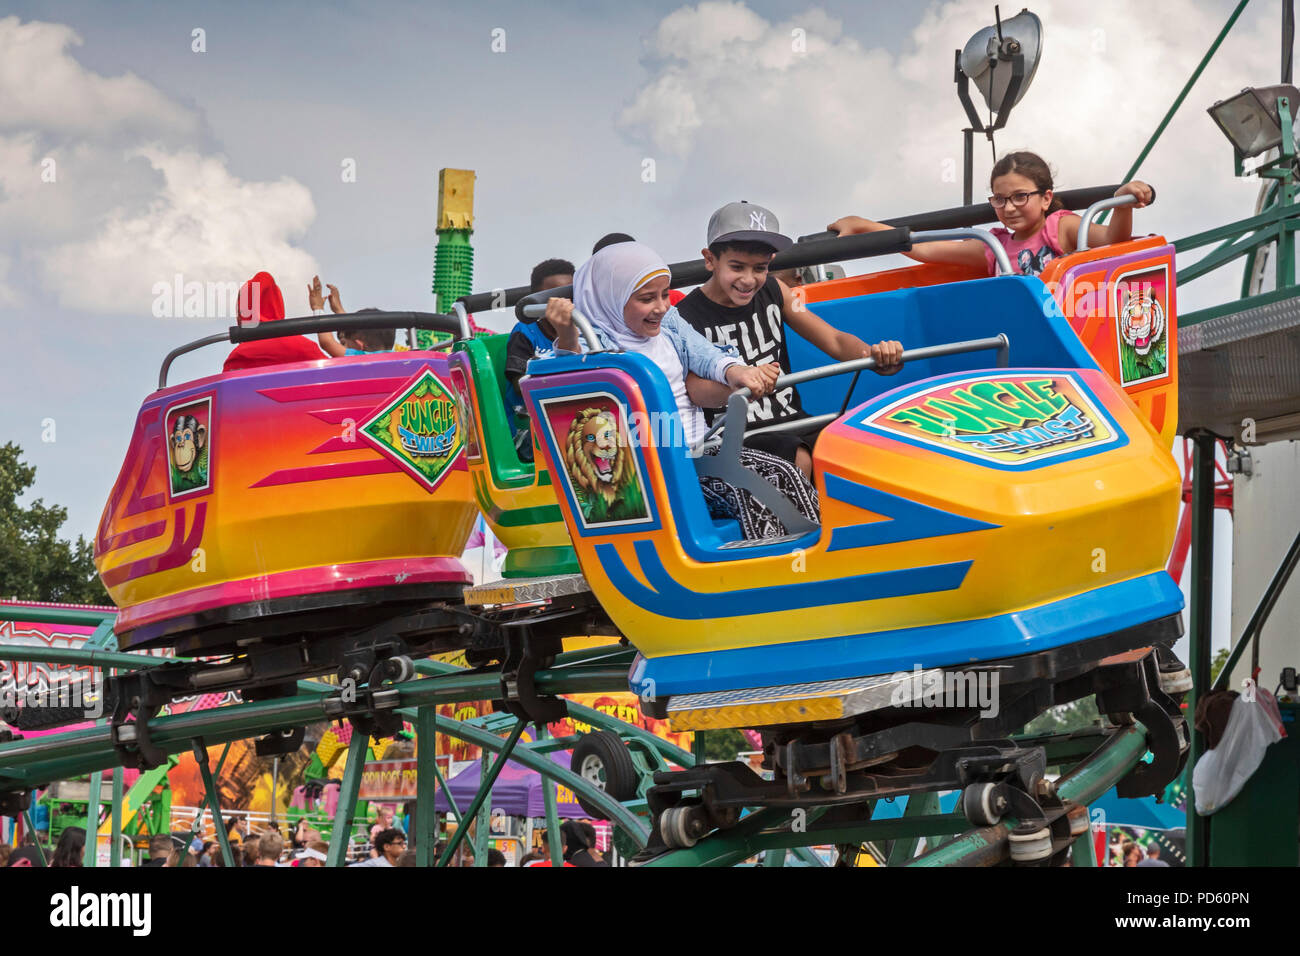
x=388 y=845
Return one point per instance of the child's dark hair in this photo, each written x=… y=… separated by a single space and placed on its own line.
x=748 y=247
x=547 y=268
x=371 y=340
x=1032 y=167
x=611 y=239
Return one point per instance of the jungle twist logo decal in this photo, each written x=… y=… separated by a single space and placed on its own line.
x=1011 y=419
x=419 y=428
x=590 y=432
x=189 y=444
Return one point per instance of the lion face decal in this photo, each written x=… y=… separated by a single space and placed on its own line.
x=602 y=468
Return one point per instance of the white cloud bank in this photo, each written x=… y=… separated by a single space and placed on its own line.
x=816 y=124
x=105 y=189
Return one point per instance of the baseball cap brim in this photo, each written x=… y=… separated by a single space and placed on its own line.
x=774 y=239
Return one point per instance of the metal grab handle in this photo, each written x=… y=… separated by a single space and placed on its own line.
x=537 y=310
x=306 y=325
x=1000 y=342
x=1089 y=214
x=983 y=235
x=960 y=217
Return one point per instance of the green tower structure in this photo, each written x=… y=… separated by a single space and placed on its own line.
x=453 y=258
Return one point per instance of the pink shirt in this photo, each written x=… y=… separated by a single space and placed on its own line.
x=1029 y=256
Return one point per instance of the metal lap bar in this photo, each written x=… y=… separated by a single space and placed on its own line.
x=982 y=235
x=1089 y=214
x=535 y=310
x=999 y=342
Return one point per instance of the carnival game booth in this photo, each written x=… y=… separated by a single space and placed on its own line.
x=996 y=516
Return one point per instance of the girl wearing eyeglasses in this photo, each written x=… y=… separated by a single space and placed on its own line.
x=1035 y=227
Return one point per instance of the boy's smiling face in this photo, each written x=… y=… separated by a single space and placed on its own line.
x=737 y=276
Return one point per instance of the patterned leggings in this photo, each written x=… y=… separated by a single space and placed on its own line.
x=756 y=520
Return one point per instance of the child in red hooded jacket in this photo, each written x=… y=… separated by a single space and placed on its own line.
x=261 y=297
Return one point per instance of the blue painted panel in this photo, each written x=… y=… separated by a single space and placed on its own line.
x=1092 y=614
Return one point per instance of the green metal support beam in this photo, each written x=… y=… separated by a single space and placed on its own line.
x=77 y=616
x=485 y=789
x=1204 y=446
x=1182 y=95
x=341 y=835
x=37 y=761
x=427 y=778
x=918 y=805
x=213 y=798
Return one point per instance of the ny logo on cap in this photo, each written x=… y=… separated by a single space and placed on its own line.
x=758 y=220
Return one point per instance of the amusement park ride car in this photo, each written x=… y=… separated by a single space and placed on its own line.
x=996 y=516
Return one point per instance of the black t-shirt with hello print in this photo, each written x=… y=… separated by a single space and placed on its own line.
x=758 y=332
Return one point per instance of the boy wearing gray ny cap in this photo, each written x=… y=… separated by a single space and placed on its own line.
x=742 y=305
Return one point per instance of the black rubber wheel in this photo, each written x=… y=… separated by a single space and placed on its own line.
x=981 y=805
x=602 y=759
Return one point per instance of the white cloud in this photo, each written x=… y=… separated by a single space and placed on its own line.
x=204 y=223
x=105 y=187
x=846 y=128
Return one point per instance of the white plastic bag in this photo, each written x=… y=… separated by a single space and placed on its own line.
x=1220 y=774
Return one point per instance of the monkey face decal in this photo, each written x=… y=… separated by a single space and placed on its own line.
x=188 y=455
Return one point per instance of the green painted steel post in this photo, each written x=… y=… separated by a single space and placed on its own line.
x=1083 y=853
x=342 y=834
x=1286 y=159
x=1182 y=95
x=485 y=788
x=918 y=804
x=426 y=780
x=36 y=839
x=554 y=838
x=1204 y=445
x=115 y=815
x=213 y=798
x=90 y=855
x=484 y=820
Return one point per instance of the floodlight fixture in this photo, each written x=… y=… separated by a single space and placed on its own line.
x=988 y=60
x=1251 y=119
x=1001 y=61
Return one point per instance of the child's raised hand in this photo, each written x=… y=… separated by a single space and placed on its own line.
x=315 y=299
x=1145 y=194
x=336 y=303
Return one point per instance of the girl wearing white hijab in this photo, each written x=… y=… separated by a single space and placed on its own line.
x=623 y=291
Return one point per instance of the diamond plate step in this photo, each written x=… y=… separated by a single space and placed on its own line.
x=790 y=703
x=526 y=590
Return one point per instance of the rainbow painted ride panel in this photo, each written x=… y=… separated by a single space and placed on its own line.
x=248 y=488
x=516 y=498
x=968 y=512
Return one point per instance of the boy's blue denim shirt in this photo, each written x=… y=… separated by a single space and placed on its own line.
x=697 y=354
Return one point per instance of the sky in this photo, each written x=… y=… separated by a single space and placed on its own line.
x=140 y=141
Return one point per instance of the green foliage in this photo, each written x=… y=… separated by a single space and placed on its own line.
x=722 y=745
x=1077 y=715
x=1216 y=665
x=35 y=564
